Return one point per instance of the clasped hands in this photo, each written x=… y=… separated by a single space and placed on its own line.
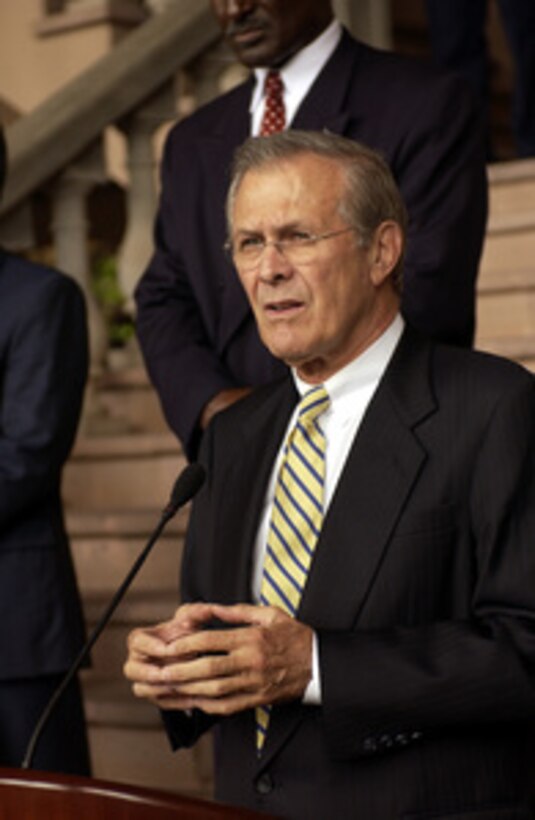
x=259 y=655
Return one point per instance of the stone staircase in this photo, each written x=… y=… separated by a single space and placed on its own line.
x=506 y=291
x=125 y=464
x=115 y=487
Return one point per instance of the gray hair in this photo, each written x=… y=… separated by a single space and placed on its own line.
x=371 y=195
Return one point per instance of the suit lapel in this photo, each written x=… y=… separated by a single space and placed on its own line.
x=325 y=106
x=244 y=487
x=216 y=151
x=382 y=468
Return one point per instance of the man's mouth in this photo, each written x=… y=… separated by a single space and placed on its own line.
x=245 y=32
x=283 y=308
x=247 y=36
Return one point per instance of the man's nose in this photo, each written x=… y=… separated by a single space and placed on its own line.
x=234 y=8
x=273 y=263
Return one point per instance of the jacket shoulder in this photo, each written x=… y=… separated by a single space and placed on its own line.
x=207 y=119
x=482 y=377
x=20 y=274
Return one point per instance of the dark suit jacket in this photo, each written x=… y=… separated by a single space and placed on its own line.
x=43 y=367
x=196 y=330
x=421 y=591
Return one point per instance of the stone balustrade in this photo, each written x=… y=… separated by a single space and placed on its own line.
x=60 y=145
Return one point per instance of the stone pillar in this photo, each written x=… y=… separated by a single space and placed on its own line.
x=70 y=232
x=368 y=20
x=108 y=6
x=158 y=6
x=65 y=15
x=137 y=245
x=214 y=72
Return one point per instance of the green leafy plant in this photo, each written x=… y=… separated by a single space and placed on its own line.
x=112 y=301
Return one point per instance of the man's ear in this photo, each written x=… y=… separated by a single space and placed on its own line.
x=387 y=247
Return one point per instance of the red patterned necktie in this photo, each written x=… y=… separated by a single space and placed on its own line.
x=274 y=118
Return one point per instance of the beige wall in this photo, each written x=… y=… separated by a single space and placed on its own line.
x=33 y=67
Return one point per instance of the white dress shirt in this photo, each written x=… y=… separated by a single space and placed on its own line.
x=350 y=391
x=297 y=75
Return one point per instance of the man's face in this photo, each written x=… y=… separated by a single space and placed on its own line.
x=319 y=313
x=269 y=32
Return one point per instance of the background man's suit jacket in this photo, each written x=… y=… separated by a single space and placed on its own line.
x=195 y=327
x=43 y=368
x=421 y=592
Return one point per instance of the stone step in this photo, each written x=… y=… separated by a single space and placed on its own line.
x=147 y=605
x=128 y=743
x=122 y=471
x=127 y=396
x=510 y=242
x=106 y=544
x=506 y=267
x=519 y=349
x=496 y=283
x=137 y=609
x=510 y=315
x=511 y=187
x=506 y=286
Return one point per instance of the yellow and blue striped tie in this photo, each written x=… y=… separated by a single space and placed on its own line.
x=296 y=519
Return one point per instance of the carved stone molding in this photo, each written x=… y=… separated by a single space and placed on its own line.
x=75 y=14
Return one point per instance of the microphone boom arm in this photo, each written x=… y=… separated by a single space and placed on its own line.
x=186 y=485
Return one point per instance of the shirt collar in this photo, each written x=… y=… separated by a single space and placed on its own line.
x=367 y=369
x=301 y=70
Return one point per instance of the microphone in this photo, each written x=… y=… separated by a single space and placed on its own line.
x=188 y=483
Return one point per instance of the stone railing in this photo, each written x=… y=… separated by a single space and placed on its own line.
x=60 y=146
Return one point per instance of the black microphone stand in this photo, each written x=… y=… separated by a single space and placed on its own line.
x=187 y=484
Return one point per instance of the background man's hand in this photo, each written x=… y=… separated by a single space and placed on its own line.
x=220 y=402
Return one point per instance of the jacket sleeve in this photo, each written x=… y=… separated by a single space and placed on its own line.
x=180 y=358
x=43 y=377
x=440 y=168
x=185 y=728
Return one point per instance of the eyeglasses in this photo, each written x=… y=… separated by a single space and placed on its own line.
x=298 y=248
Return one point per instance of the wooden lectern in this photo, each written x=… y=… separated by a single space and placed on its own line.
x=28 y=795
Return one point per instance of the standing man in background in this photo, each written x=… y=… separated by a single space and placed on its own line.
x=196 y=330
x=459 y=43
x=362 y=549
x=43 y=370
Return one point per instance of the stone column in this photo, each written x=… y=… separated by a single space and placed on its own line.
x=212 y=73
x=70 y=232
x=104 y=6
x=139 y=129
x=368 y=20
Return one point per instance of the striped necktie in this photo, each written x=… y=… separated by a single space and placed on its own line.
x=296 y=519
x=274 y=118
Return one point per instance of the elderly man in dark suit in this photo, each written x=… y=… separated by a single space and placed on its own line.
x=43 y=369
x=362 y=552
x=196 y=330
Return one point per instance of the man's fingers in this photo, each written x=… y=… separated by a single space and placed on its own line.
x=206 y=642
x=240 y=614
x=146 y=643
x=151 y=691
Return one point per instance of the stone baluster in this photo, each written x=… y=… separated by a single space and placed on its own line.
x=212 y=73
x=111 y=8
x=139 y=129
x=71 y=240
x=369 y=20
